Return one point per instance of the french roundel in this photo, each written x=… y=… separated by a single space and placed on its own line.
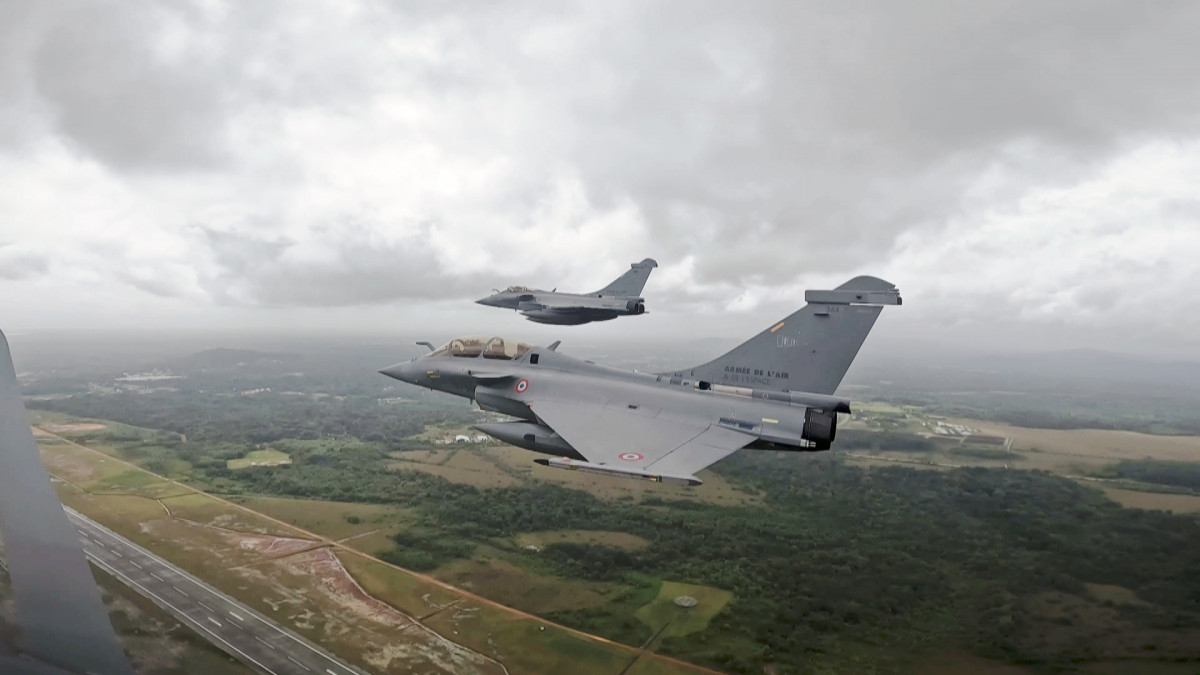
x=630 y=456
x=522 y=386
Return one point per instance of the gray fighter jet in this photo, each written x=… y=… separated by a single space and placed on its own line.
x=773 y=392
x=620 y=298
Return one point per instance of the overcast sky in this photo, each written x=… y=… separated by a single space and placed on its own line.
x=1028 y=173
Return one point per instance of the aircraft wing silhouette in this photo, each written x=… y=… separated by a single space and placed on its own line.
x=63 y=623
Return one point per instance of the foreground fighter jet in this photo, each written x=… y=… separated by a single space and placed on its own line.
x=620 y=298
x=773 y=392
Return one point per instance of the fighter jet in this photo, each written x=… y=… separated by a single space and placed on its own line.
x=773 y=392
x=620 y=298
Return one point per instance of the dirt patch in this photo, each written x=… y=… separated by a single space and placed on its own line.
x=267 y=546
x=77 y=426
x=1116 y=594
x=1136 y=499
x=200 y=546
x=346 y=602
x=70 y=466
x=1094 y=443
x=323 y=567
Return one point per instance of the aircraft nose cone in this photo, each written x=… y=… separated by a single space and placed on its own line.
x=398 y=371
x=489 y=301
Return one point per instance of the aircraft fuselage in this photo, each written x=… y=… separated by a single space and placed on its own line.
x=793 y=421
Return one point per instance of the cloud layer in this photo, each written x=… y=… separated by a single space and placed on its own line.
x=212 y=157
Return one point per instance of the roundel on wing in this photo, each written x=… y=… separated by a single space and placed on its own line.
x=630 y=456
x=522 y=386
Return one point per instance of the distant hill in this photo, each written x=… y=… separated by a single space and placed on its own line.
x=1098 y=365
x=1065 y=369
x=232 y=358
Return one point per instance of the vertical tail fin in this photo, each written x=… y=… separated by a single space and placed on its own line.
x=632 y=282
x=809 y=351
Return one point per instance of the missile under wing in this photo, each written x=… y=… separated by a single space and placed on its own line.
x=622 y=297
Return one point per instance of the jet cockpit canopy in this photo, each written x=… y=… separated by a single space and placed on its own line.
x=518 y=289
x=489 y=348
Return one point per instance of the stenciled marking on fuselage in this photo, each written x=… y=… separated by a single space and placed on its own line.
x=756 y=372
x=747 y=379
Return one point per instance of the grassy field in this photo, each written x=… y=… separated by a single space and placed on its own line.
x=205 y=510
x=524 y=645
x=302 y=585
x=876 y=407
x=441 y=432
x=264 y=457
x=530 y=591
x=402 y=590
x=622 y=540
x=66 y=461
x=662 y=614
x=332 y=598
x=528 y=645
x=336 y=520
x=462 y=464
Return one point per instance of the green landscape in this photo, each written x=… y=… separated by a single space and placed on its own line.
x=918 y=541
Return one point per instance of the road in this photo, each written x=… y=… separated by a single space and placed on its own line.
x=240 y=631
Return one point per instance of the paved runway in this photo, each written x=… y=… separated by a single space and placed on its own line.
x=242 y=632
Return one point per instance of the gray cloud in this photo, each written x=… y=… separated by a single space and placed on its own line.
x=17 y=262
x=807 y=135
x=768 y=144
x=159 y=88
x=122 y=102
x=344 y=267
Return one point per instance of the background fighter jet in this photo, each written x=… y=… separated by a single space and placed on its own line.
x=773 y=392
x=620 y=298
